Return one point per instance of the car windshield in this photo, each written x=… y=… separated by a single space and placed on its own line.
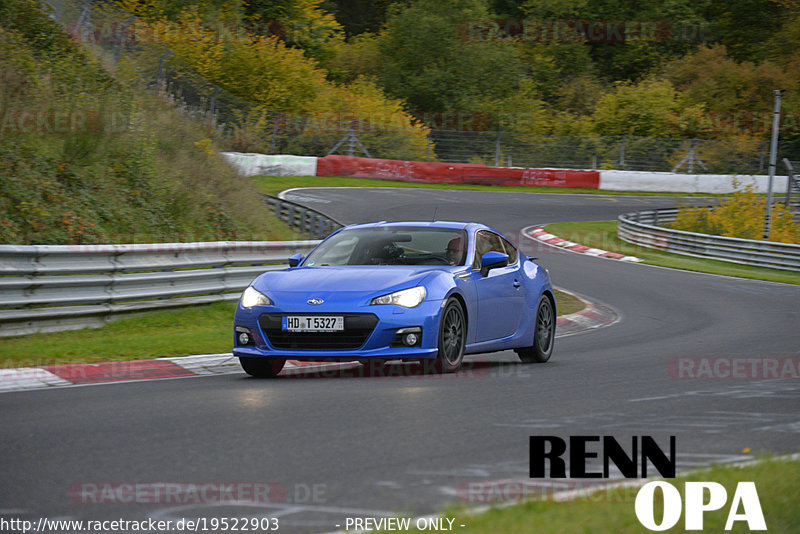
x=392 y=245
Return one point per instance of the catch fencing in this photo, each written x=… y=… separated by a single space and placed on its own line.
x=645 y=228
x=241 y=126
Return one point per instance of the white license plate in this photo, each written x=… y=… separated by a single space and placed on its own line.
x=312 y=323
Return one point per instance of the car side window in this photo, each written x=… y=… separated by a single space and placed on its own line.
x=513 y=255
x=486 y=242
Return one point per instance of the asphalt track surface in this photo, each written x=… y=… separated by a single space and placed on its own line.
x=332 y=447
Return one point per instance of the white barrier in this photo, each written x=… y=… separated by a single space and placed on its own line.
x=272 y=165
x=669 y=182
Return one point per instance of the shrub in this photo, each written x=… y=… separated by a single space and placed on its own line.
x=139 y=171
x=741 y=215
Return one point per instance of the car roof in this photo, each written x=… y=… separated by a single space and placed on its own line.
x=450 y=225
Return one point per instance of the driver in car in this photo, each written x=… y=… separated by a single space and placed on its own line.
x=455 y=251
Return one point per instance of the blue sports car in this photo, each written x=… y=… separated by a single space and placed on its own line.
x=420 y=291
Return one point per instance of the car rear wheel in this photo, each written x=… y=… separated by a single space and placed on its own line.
x=544 y=334
x=262 y=367
x=452 y=338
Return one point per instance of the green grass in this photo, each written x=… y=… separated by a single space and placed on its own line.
x=206 y=329
x=567 y=303
x=272 y=185
x=613 y=510
x=603 y=235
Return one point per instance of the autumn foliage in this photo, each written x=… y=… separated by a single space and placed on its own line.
x=741 y=215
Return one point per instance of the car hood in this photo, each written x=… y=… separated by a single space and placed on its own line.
x=355 y=279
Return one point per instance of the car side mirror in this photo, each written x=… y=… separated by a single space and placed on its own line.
x=493 y=260
x=295 y=259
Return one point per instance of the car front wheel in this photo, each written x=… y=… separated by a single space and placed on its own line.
x=262 y=367
x=544 y=334
x=452 y=338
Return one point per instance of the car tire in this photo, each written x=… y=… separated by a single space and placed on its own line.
x=544 y=334
x=452 y=339
x=262 y=367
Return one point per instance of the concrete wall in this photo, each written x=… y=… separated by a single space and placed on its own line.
x=286 y=165
x=272 y=165
x=685 y=183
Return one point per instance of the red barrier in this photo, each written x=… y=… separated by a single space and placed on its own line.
x=454 y=173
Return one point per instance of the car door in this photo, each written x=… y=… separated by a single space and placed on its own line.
x=500 y=293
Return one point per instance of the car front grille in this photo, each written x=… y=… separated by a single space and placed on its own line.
x=357 y=328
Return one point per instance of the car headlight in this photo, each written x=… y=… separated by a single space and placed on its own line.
x=407 y=298
x=252 y=297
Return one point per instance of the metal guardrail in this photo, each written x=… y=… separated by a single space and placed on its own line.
x=56 y=287
x=642 y=228
x=302 y=218
x=46 y=288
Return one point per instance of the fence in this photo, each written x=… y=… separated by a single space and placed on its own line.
x=57 y=287
x=242 y=126
x=643 y=228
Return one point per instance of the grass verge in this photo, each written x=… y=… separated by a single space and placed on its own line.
x=272 y=185
x=613 y=510
x=205 y=329
x=603 y=235
x=567 y=303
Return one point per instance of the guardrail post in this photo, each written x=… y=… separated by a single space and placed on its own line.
x=320 y=227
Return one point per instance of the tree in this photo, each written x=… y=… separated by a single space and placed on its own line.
x=429 y=61
x=303 y=24
x=744 y=27
x=636 y=109
x=360 y=16
x=358 y=56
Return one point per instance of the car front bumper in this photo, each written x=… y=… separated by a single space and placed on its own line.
x=380 y=343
